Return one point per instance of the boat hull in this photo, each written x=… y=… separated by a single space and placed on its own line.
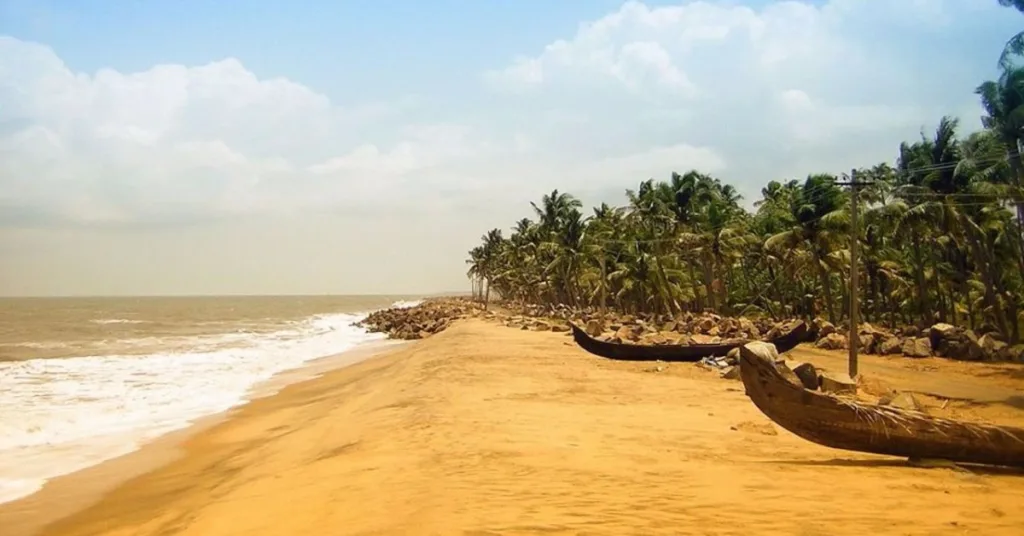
x=675 y=352
x=849 y=425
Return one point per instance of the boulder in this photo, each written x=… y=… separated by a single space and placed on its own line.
x=991 y=347
x=824 y=327
x=733 y=357
x=654 y=338
x=761 y=349
x=595 y=327
x=837 y=383
x=628 y=333
x=805 y=372
x=917 y=347
x=747 y=328
x=891 y=345
x=833 y=341
x=1016 y=353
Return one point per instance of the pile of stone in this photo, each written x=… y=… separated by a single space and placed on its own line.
x=409 y=323
x=943 y=340
x=527 y=323
x=683 y=329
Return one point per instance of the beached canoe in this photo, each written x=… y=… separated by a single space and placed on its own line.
x=676 y=352
x=849 y=425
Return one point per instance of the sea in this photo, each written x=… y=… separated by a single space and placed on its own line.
x=84 y=380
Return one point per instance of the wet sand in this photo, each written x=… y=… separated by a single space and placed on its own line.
x=489 y=430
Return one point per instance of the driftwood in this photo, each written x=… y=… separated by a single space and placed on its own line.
x=844 y=424
x=677 y=352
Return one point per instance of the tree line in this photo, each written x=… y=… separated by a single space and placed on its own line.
x=940 y=235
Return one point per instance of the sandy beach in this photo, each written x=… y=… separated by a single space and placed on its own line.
x=483 y=429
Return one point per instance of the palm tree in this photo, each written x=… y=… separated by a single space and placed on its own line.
x=942 y=238
x=1015 y=46
x=819 y=210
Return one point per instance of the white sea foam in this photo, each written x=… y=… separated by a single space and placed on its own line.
x=62 y=415
x=116 y=321
x=405 y=304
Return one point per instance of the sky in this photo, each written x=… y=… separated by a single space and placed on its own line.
x=342 y=147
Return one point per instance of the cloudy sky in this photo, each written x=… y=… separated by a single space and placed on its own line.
x=197 y=147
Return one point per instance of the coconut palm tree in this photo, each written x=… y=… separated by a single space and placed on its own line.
x=1015 y=46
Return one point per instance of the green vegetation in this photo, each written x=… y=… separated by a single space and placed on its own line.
x=941 y=237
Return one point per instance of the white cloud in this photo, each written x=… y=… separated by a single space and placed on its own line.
x=817 y=84
x=177 y=143
x=792 y=87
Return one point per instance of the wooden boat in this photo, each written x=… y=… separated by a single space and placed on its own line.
x=844 y=424
x=676 y=352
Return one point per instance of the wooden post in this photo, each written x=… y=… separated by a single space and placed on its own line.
x=854 y=337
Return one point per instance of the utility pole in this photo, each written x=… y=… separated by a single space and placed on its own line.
x=854 y=275
x=854 y=336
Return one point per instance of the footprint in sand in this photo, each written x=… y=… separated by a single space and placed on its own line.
x=752 y=427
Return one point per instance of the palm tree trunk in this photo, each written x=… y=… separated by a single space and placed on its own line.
x=826 y=288
x=923 y=304
x=697 y=304
x=604 y=285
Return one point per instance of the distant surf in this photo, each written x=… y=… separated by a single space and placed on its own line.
x=61 y=415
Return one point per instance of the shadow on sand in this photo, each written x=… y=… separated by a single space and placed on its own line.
x=905 y=464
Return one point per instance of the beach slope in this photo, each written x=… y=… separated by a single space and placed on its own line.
x=483 y=429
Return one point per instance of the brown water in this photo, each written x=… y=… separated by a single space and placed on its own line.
x=86 y=379
x=33 y=328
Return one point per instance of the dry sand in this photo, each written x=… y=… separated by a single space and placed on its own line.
x=488 y=430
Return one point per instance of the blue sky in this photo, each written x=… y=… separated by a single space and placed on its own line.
x=251 y=147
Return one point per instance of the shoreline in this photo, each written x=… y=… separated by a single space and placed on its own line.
x=490 y=430
x=67 y=494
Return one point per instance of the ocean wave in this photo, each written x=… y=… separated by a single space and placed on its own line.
x=62 y=415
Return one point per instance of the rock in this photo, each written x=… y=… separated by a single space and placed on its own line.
x=705 y=325
x=917 y=347
x=430 y=317
x=838 y=383
x=705 y=339
x=760 y=350
x=629 y=333
x=941 y=331
x=902 y=401
x=1016 y=353
x=834 y=341
x=559 y=328
x=825 y=328
x=540 y=325
x=805 y=372
x=731 y=373
x=733 y=357
x=654 y=338
x=745 y=325
x=991 y=347
x=890 y=346
x=594 y=327
x=867 y=343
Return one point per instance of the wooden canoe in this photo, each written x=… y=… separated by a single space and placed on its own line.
x=676 y=352
x=849 y=425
